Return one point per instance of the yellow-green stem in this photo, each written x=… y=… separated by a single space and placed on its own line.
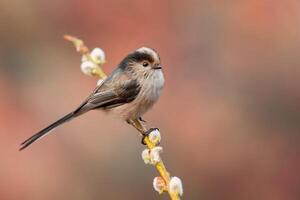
x=81 y=48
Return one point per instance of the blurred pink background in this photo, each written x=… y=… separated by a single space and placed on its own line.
x=229 y=114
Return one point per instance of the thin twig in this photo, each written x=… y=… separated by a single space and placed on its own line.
x=98 y=72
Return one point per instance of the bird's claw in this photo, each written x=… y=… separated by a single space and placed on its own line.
x=146 y=133
x=141 y=119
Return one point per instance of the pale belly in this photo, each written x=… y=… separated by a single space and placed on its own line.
x=148 y=95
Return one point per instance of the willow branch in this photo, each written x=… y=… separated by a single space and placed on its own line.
x=164 y=182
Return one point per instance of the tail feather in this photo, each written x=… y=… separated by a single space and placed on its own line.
x=46 y=130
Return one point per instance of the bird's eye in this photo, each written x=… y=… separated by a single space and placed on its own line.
x=145 y=64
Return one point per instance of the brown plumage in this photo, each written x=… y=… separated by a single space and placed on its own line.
x=132 y=89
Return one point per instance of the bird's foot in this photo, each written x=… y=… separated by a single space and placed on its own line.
x=146 y=133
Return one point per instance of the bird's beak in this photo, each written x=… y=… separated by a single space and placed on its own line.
x=157 y=66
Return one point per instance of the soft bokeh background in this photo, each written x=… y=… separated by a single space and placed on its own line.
x=229 y=114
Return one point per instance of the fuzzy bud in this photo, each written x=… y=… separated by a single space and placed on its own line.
x=155 y=137
x=98 y=55
x=175 y=186
x=155 y=155
x=87 y=67
x=159 y=184
x=152 y=156
x=146 y=156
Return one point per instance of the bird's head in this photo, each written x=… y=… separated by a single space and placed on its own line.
x=143 y=60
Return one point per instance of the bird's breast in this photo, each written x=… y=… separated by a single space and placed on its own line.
x=152 y=86
x=149 y=93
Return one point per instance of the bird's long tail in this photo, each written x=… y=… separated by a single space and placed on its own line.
x=47 y=130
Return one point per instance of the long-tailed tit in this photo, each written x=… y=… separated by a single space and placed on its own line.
x=131 y=89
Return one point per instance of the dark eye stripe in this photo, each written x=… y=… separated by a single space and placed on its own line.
x=136 y=57
x=139 y=57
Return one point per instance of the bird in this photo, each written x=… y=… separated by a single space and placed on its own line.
x=129 y=92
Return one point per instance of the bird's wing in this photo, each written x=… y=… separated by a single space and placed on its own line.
x=112 y=93
x=120 y=93
x=116 y=90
